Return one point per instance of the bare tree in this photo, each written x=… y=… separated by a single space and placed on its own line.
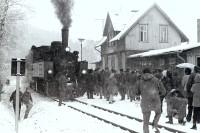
x=10 y=14
x=4 y=4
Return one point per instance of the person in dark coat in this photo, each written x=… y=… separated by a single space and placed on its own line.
x=133 y=80
x=28 y=101
x=112 y=86
x=90 y=84
x=184 y=81
x=99 y=83
x=189 y=93
x=13 y=99
x=196 y=100
x=121 y=79
x=62 y=83
x=150 y=89
x=105 y=76
x=176 y=106
x=128 y=85
x=177 y=80
x=167 y=81
x=82 y=82
x=158 y=74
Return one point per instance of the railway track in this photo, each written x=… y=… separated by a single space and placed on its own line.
x=104 y=120
x=131 y=117
x=97 y=117
x=114 y=113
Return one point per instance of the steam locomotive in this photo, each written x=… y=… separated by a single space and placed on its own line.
x=44 y=63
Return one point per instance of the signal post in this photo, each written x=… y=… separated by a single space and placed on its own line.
x=17 y=69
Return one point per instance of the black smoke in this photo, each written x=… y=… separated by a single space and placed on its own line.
x=63 y=11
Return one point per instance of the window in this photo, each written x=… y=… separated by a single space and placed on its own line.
x=163 y=33
x=162 y=62
x=144 y=33
x=172 y=61
x=198 y=61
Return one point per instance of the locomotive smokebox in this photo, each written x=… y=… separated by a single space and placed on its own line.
x=65 y=34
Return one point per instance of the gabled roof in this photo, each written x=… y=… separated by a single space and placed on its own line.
x=139 y=16
x=179 y=48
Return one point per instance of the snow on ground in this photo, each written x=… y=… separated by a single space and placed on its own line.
x=47 y=117
x=133 y=109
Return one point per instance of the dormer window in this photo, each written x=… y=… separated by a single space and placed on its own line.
x=163 y=33
x=143 y=32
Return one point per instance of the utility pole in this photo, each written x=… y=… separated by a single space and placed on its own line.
x=81 y=40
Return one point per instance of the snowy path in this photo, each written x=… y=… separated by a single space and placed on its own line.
x=47 y=117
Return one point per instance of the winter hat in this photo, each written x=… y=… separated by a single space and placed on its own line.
x=164 y=73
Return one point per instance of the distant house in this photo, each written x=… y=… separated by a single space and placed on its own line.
x=148 y=30
x=107 y=47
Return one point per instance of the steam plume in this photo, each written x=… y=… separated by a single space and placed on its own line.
x=63 y=11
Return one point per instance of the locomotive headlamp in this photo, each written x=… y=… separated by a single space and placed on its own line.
x=50 y=71
x=67 y=49
x=84 y=71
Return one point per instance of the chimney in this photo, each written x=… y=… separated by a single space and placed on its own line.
x=198 y=30
x=65 y=34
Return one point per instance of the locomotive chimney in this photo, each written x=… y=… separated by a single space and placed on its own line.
x=65 y=34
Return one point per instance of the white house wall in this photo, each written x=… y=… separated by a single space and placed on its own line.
x=123 y=61
x=116 y=62
x=192 y=55
x=103 y=62
x=153 y=19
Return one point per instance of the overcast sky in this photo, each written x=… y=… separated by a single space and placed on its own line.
x=88 y=16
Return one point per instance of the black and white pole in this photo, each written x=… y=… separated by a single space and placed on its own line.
x=17 y=69
x=17 y=95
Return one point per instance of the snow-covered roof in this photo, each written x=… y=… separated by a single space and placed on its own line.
x=95 y=62
x=139 y=15
x=119 y=21
x=103 y=40
x=174 y=49
x=128 y=26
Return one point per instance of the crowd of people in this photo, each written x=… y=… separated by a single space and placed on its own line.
x=151 y=87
